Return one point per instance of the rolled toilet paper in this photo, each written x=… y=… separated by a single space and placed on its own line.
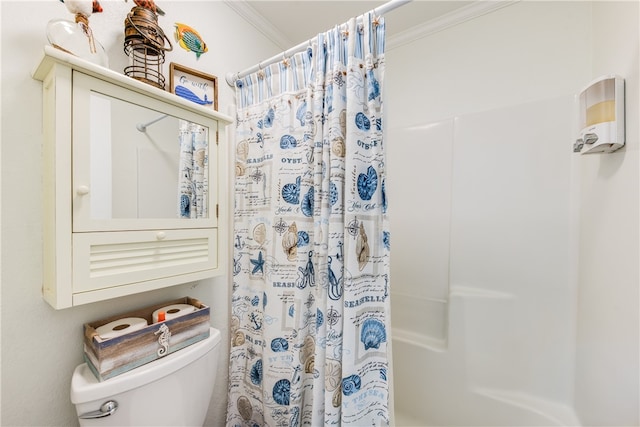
x=121 y=326
x=173 y=311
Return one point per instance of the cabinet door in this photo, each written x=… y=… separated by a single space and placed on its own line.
x=139 y=163
x=113 y=259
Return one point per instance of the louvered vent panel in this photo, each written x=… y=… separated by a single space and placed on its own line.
x=111 y=259
x=122 y=258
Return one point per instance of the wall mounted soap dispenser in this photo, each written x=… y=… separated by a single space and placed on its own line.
x=601 y=116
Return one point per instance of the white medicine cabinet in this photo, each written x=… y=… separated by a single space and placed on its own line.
x=134 y=183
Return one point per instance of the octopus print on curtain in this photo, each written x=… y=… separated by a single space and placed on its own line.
x=310 y=296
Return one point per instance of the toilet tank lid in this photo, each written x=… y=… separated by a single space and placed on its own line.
x=85 y=387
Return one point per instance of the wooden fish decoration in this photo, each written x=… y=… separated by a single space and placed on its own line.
x=189 y=39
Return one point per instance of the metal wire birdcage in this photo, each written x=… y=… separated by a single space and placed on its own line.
x=144 y=45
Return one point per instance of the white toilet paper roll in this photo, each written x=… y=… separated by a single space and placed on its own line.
x=121 y=327
x=173 y=311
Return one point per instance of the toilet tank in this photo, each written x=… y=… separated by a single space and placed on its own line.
x=172 y=391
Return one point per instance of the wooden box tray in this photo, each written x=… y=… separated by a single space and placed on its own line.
x=108 y=358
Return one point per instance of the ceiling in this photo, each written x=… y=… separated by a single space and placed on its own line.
x=293 y=22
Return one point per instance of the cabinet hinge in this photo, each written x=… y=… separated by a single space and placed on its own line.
x=217 y=138
x=217 y=210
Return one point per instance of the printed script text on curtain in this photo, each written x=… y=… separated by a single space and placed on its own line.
x=310 y=296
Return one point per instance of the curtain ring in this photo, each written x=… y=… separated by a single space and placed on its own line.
x=260 y=72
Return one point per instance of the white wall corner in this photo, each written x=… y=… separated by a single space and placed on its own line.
x=249 y=14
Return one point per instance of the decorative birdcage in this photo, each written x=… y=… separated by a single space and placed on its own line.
x=144 y=45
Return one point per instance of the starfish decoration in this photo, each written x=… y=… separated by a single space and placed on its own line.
x=258 y=264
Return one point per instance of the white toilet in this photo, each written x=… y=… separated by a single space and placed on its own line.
x=172 y=391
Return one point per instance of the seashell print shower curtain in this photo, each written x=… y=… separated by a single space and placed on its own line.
x=310 y=303
x=193 y=184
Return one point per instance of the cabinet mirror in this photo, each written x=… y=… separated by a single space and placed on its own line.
x=143 y=162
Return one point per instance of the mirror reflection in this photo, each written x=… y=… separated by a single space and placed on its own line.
x=146 y=164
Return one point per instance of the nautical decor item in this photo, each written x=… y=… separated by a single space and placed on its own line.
x=144 y=44
x=149 y=4
x=190 y=40
x=76 y=37
x=194 y=85
x=113 y=355
x=309 y=318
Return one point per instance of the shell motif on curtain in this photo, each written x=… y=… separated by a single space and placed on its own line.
x=310 y=303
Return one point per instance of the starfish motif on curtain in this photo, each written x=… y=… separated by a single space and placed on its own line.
x=258 y=264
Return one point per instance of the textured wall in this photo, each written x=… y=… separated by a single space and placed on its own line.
x=41 y=346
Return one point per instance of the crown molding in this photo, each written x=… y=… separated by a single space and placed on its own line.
x=448 y=20
x=250 y=15
x=466 y=13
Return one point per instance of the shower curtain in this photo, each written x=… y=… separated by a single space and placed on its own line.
x=310 y=302
x=193 y=184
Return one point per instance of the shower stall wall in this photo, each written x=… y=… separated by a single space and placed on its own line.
x=488 y=261
x=490 y=329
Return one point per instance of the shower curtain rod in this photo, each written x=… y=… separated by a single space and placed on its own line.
x=231 y=78
x=142 y=127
